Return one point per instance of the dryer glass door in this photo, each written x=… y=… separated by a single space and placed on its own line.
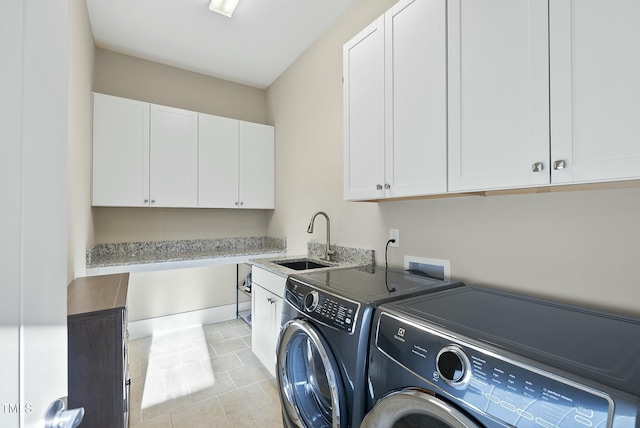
x=413 y=408
x=309 y=378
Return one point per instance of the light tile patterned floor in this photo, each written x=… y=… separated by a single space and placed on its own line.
x=201 y=377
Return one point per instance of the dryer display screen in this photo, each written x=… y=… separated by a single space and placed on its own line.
x=503 y=389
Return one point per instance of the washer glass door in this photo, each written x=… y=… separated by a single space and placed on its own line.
x=309 y=378
x=413 y=408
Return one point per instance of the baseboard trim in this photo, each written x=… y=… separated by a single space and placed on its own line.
x=146 y=327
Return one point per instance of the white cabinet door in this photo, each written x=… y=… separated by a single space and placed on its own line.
x=120 y=152
x=416 y=98
x=236 y=164
x=217 y=162
x=363 y=92
x=395 y=104
x=277 y=317
x=256 y=166
x=498 y=94
x=595 y=64
x=173 y=157
x=263 y=338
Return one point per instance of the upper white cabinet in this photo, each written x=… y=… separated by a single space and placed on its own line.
x=236 y=164
x=257 y=166
x=218 y=162
x=152 y=155
x=595 y=64
x=539 y=93
x=120 y=152
x=363 y=87
x=173 y=161
x=515 y=64
x=395 y=104
x=143 y=154
x=498 y=96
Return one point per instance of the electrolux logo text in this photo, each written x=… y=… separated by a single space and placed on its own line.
x=400 y=335
x=12 y=408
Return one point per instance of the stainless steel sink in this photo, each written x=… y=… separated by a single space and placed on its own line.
x=303 y=264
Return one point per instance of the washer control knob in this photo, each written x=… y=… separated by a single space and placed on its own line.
x=453 y=366
x=311 y=301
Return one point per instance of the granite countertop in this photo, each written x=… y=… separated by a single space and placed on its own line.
x=345 y=257
x=138 y=253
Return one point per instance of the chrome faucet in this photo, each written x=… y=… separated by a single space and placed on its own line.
x=328 y=254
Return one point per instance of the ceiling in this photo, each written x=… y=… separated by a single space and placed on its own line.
x=253 y=47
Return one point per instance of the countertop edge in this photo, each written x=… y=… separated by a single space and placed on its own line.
x=183 y=263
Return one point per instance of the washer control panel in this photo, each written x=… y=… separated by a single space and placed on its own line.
x=326 y=308
x=508 y=391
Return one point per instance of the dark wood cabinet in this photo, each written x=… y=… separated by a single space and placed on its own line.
x=98 y=350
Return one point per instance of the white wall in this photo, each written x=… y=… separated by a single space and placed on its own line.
x=576 y=246
x=161 y=224
x=81 y=57
x=153 y=294
x=126 y=76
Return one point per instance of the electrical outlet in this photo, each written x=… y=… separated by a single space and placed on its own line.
x=394 y=234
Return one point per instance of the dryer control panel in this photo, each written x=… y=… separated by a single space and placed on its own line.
x=326 y=308
x=488 y=383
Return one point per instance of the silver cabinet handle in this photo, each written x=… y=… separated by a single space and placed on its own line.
x=270 y=300
x=146 y=201
x=387 y=186
x=153 y=201
x=559 y=164
x=241 y=203
x=537 y=167
x=236 y=204
x=379 y=186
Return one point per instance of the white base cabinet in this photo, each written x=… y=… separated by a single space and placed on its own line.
x=267 y=290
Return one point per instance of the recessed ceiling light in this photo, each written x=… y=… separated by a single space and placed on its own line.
x=223 y=7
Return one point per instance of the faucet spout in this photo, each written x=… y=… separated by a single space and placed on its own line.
x=327 y=252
